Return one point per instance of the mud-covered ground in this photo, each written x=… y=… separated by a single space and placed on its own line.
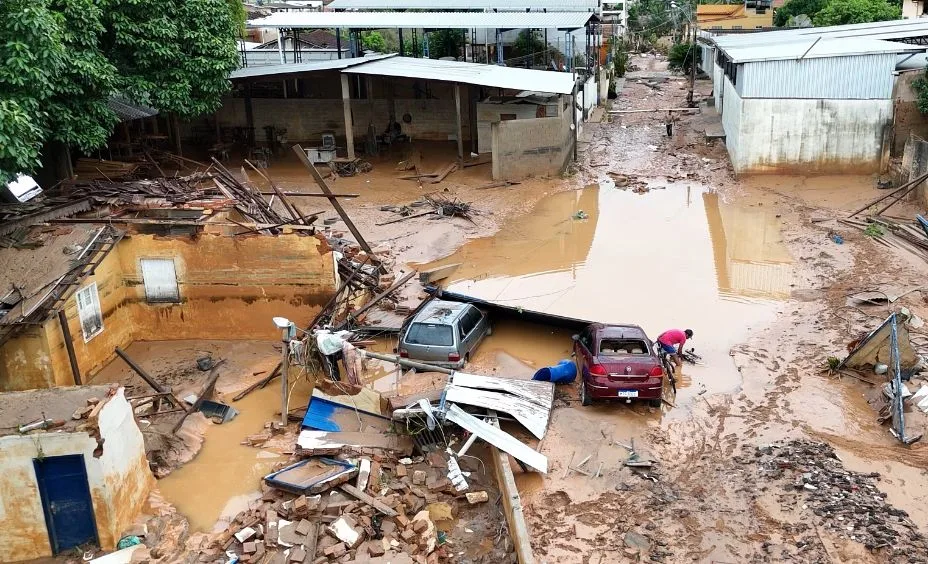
x=713 y=494
x=673 y=238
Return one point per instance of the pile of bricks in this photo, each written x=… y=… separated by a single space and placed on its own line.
x=333 y=526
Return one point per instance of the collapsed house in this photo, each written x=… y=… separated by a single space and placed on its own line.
x=111 y=263
x=73 y=470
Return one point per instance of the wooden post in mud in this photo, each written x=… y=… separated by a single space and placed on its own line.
x=457 y=119
x=349 y=126
x=285 y=377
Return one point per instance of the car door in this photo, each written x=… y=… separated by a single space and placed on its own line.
x=583 y=348
x=469 y=333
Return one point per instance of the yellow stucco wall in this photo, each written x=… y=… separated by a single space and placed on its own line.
x=230 y=288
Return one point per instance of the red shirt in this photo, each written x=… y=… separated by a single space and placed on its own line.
x=672 y=337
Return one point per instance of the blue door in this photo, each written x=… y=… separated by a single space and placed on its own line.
x=66 y=501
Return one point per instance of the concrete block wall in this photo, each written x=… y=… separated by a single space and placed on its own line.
x=784 y=135
x=907 y=119
x=307 y=118
x=531 y=147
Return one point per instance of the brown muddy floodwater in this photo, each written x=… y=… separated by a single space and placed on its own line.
x=676 y=256
x=226 y=475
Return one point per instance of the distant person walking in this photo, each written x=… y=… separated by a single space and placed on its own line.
x=671 y=342
x=669 y=124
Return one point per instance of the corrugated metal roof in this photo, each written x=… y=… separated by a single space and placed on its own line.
x=556 y=5
x=469 y=73
x=895 y=29
x=814 y=47
x=425 y=20
x=294 y=68
x=859 y=77
x=127 y=110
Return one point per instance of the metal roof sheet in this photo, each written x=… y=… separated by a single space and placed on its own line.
x=896 y=29
x=425 y=20
x=814 y=48
x=128 y=110
x=469 y=73
x=556 y=5
x=294 y=68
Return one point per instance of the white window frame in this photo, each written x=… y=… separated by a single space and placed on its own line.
x=160 y=300
x=89 y=296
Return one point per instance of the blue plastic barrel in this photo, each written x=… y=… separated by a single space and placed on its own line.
x=563 y=372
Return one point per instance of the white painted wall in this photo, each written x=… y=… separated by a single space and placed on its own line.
x=717 y=86
x=119 y=480
x=770 y=134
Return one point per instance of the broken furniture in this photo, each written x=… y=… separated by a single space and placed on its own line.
x=324 y=153
x=312 y=475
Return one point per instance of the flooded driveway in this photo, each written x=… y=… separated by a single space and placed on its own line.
x=675 y=256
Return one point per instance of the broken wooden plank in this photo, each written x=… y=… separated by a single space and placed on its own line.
x=301 y=154
x=142 y=374
x=540 y=393
x=310 y=195
x=323 y=443
x=376 y=299
x=368 y=499
x=405 y=217
x=498 y=438
x=204 y=392
x=532 y=416
x=498 y=184
x=437 y=273
x=442 y=174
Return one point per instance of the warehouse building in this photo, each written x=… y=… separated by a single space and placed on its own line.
x=813 y=101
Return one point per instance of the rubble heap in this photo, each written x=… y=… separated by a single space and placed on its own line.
x=350 y=524
x=848 y=504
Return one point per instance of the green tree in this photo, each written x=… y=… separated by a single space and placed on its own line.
x=174 y=55
x=920 y=86
x=373 y=41
x=32 y=55
x=446 y=43
x=527 y=43
x=681 y=57
x=78 y=114
x=840 y=12
x=650 y=17
x=795 y=8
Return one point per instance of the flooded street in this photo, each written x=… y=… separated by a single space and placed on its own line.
x=674 y=257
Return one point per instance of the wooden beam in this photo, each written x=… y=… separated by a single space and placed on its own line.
x=301 y=154
x=310 y=195
x=69 y=346
x=177 y=222
x=138 y=370
x=457 y=119
x=205 y=391
x=368 y=499
x=349 y=124
x=376 y=299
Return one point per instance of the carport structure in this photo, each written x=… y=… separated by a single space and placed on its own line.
x=467 y=22
x=522 y=117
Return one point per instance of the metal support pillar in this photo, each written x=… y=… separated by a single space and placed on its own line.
x=280 y=45
x=499 y=48
x=338 y=41
x=402 y=49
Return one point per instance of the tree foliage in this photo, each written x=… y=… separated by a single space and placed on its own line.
x=32 y=54
x=527 y=43
x=373 y=41
x=681 y=57
x=63 y=59
x=796 y=7
x=920 y=86
x=650 y=17
x=446 y=43
x=840 y=12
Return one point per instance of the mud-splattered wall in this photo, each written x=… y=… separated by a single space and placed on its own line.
x=907 y=119
x=119 y=480
x=531 y=147
x=230 y=288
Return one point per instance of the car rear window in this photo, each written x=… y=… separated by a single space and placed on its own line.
x=430 y=334
x=622 y=347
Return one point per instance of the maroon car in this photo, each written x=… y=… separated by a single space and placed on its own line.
x=617 y=362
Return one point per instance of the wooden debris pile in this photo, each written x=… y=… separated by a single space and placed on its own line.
x=438 y=204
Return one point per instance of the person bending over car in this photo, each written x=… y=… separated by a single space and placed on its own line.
x=672 y=341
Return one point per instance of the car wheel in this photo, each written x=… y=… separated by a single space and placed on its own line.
x=585 y=398
x=655 y=402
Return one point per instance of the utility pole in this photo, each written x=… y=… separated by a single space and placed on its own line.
x=690 y=97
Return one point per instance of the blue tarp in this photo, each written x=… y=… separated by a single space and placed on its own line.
x=320 y=414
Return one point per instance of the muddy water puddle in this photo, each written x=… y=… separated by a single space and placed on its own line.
x=676 y=256
x=226 y=475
